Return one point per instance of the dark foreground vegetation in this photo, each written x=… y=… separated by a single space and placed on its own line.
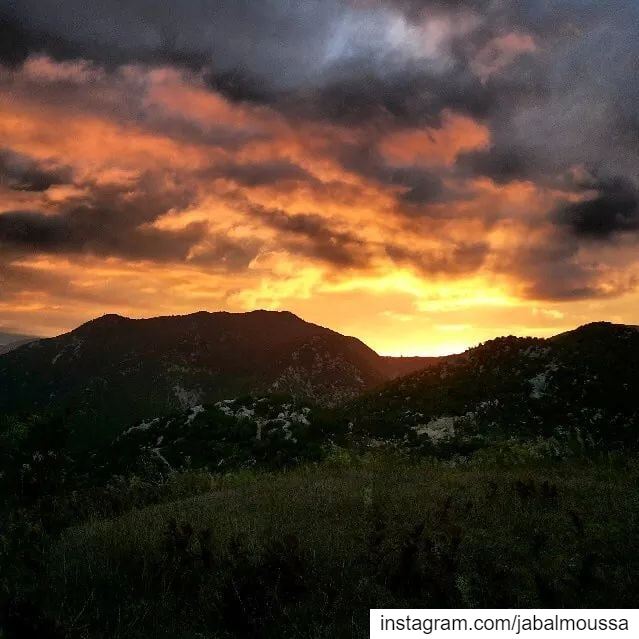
x=507 y=476
x=305 y=552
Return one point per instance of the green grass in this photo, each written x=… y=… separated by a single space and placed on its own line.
x=306 y=552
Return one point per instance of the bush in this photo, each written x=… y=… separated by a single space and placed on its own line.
x=308 y=551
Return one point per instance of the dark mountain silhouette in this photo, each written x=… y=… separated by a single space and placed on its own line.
x=583 y=384
x=113 y=370
x=534 y=397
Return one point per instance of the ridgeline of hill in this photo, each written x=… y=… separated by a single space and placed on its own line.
x=113 y=370
x=112 y=373
x=582 y=384
x=232 y=475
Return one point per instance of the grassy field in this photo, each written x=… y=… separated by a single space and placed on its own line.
x=306 y=552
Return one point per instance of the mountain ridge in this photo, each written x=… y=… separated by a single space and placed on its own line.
x=113 y=369
x=581 y=384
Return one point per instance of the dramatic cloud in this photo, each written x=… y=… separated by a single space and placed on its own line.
x=456 y=259
x=22 y=173
x=613 y=209
x=309 y=234
x=403 y=163
x=263 y=173
x=416 y=185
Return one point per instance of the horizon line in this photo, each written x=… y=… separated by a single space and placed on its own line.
x=382 y=353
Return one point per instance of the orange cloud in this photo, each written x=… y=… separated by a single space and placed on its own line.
x=275 y=211
x=435 y=146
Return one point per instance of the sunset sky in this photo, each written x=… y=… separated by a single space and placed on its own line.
x=422 y=174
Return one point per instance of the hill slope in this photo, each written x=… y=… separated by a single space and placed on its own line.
x=114 y=370
x=582 y=384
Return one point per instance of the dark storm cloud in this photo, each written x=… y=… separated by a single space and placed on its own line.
x=102 y=233
x=23 y=173
x=334 y=56
x=330 y=59
x=262 y=173
x=231 y=36
x=96 y=233
x=410 y=95
x=238 y=85
x=614 y=209
x=15 y=42
x=34 y=230
x=501 y=165
x=420 y=186
x=108 y=221
x=569 y=104
x=572 y=102
x=552 y=269
x=311 y=235
x=455 y=258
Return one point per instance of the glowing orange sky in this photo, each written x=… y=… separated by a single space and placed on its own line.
x=338 y=246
